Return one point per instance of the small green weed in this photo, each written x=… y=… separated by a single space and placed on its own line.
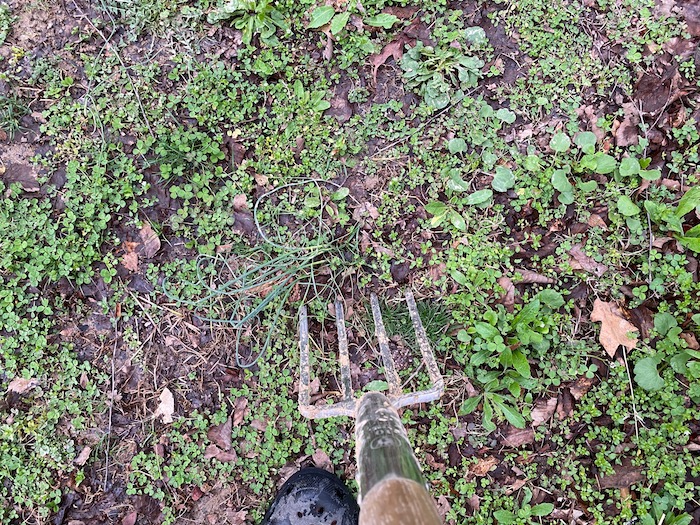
x=440 y=75
x=12 y=109
x=6 y=20
x=252 y=17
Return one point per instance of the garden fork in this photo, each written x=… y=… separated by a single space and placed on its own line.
x=392 y=488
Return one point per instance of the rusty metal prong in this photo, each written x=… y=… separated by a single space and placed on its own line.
x=437 y=383
x=343 y=354
x=392 y=377
x=304 y=365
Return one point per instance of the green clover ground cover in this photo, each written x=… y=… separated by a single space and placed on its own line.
x=489 y=156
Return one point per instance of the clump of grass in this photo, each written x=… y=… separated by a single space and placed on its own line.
x=298 y=258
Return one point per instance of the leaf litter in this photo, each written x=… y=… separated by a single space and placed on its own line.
x=615 y=329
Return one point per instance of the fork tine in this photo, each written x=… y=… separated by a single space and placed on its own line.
x=304 y=365
x=437 y=382
x=343 y=354
x=392 y=376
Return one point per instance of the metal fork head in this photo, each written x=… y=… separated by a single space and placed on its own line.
x=348 y=404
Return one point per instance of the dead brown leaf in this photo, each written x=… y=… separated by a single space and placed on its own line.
x=643 y=318
x=166 y=407
x=483 y=466
x=580 y=387
x=614 y=327
x=691 y=14
x=581 y=261
x=214 y=452
x=20 y=385
x=530 y=277
x=328 y=47
x=516 y=486
x=596 y=220
x=443 y=506
x=392 y=49
x=130 y=261
x=588 y=114
x=220 y=435
x=401 y=12
x=691 y=341
x=237 y=517
x=623 y=477
x=340 y=108
x=519 y=437
x=83 y=456
x=671 y=184
x=24 y=174
x=196 y=494
x=239 y=410
x=434 y=464
x=565 y=406
x=543 y=411
x=508 y=299
x=150 y=240
x=171 y=340
x=260 y=180
x=321 y=460
x=240 y=202
x=626 y=133
x=259 y=425
x=130 y=519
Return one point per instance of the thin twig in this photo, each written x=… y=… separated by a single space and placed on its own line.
x=634 y=404
x=651 y=246
x=112 y=394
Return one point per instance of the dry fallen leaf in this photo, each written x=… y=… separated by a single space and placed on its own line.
x=691 y=341
x=240 y=202
x=623 y=477
x=543 y=410
x=130 y=261
x=259 y=425
x=220 y=435
x=443 y=506
x=237 y=517
x=596 y=221
x=516 y=486
x=212 y=451
x=581 y=261
x=327 y=53
x=519 y=437
x=533 y=277
x=20 y=385
x=83 y=456
x=508 y=299
x=150 y=240
x=614 y=327
x=239 y=410
x=483 y=466
x=321 y=460
x=392 y=49
x=580 y=387
x=130 y=519
x=627 y=132
x=565 y=405
x=166 y=406
x=260 y=180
